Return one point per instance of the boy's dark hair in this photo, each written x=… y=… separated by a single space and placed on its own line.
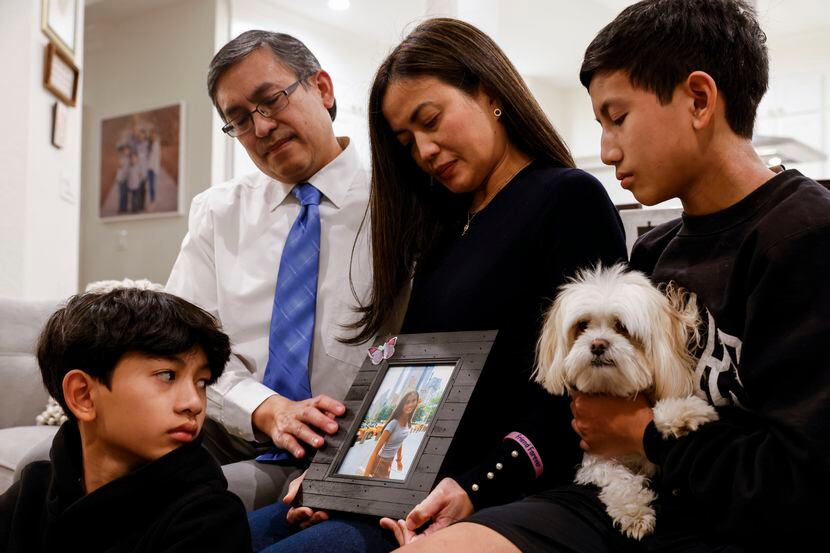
x=660 y=42
x=94 y=330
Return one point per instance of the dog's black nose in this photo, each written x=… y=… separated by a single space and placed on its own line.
x=598 y=346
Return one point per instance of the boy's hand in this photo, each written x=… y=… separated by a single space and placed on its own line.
x=288 y=422
x=610 y=426
x=301 y=516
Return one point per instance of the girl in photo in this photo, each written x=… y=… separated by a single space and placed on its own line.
x=390 y=443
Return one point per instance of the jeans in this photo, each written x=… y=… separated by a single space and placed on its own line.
x=343 y=533
x=123 y=194
x=151 y=184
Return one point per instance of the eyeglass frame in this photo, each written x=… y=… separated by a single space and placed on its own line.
x=268 y=114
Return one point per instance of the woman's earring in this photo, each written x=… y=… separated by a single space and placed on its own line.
x=497 y=112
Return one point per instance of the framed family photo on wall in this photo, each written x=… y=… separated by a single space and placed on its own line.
x=401 y=414
x=141 y=164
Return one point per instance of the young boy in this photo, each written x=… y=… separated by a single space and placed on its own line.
x=128 y=472
x=675 y=85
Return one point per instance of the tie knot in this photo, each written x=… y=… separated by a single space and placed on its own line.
x=306 y=194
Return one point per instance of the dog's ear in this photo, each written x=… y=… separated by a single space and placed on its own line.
x=674 y=363
x=551 y=350
x=684 y=307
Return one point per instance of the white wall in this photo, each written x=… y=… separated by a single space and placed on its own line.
x=39 y=183
x=798 y=101
x=153 y=59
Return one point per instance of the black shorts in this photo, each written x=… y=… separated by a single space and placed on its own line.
x=572 y=519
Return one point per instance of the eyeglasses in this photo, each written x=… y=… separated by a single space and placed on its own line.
x=266 y=108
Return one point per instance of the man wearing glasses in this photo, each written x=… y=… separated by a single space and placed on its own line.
x=271 y=255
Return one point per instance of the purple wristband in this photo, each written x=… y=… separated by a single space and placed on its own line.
x=532 y=454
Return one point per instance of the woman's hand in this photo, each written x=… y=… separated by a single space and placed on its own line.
x=610 y=426
x=301 y=516
x=446 y=504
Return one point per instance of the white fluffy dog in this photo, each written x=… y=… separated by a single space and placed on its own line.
x=611 y=332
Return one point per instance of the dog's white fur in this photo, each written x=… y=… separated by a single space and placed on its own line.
x=611 y=332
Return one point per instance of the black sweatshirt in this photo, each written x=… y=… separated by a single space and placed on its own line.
x=178 y=503
x=760 y=269
x=502 y=275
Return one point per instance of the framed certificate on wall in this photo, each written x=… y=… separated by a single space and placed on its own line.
x=60 y=76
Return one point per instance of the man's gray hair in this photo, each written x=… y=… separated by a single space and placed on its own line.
x=291 y=52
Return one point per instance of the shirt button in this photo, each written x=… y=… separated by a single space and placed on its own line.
x=514 y=453
x=490 y=475
x=675 y=492
x=474 y=487
x=499 y=466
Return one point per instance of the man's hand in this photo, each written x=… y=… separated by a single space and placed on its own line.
x=289 y=422
x=446 y=504
x=301 y=516
x=610 y=426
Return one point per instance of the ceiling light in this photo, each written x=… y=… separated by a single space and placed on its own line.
x=339 y=5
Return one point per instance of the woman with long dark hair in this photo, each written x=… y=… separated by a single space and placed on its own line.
x=475 y=205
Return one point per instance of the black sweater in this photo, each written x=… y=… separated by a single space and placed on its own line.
x=502 y=275
x=760 y=269
x=178 y=503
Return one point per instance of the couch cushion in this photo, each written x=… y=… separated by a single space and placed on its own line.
x=16 y=442
x=20 y=324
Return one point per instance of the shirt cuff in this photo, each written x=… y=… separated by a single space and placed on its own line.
x=238 y=405
x=502 y=477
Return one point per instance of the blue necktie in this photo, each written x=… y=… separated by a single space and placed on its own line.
x=295 y=299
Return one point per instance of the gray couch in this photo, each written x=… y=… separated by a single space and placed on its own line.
x=22 y=397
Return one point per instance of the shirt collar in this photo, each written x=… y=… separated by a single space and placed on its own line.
x=334 y=181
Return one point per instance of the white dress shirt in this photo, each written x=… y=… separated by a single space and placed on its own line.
x=228 y=265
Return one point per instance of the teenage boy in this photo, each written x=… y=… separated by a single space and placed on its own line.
x=128 y=472
x=675 y=85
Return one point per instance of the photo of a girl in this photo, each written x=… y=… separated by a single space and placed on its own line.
x=386 y=444
x=392 y=436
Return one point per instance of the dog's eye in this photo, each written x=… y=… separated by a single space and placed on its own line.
x=581 y=327
x=619 y=328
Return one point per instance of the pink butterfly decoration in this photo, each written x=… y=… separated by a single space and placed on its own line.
x=383 y=351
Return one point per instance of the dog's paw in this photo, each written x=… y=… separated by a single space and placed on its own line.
x=638 y=527
x=676 y=417
x=628 y=503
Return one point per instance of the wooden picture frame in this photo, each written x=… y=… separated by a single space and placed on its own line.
x=443 y=367
x=58 y=21
x=59 y=116
x=60 y=76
